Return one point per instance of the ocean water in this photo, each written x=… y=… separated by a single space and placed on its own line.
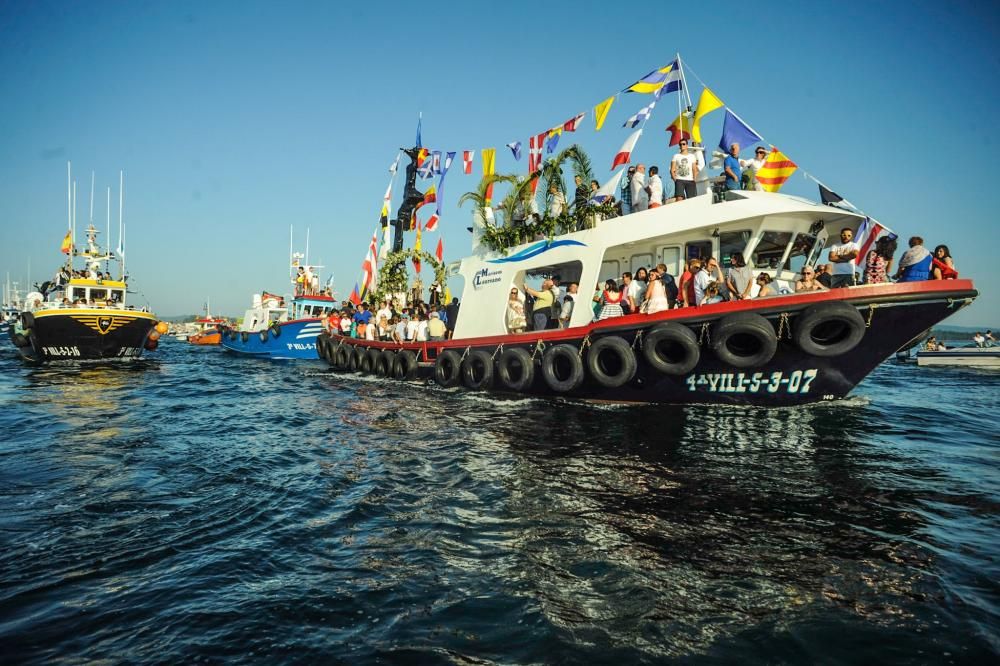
x=199 y=507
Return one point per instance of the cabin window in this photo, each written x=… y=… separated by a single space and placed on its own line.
x=78 y=293
x=639 y=261
x=815 y=257
x=118 y=295
x=99 y=294
x=732 y=242
x=801 y=250
x=698 y=250
x=567 y=273
x=771 y=248
x=610 y=270
x=671 y=258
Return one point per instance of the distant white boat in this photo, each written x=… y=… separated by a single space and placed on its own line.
x=978 y=357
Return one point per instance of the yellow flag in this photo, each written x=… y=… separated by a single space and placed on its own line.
x=489 y=161
x=706 y=104
x=67 y=242
x=776 y=170
x=601 y=111
x=447 y=294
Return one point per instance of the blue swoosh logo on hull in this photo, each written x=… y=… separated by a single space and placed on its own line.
x=535 y=250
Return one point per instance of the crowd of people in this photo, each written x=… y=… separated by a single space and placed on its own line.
x=393 y=321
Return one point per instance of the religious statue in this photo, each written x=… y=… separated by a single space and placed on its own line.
x=411 y=197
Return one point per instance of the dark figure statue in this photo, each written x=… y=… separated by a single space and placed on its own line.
x=411 y=197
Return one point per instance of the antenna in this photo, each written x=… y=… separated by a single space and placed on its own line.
x=107 y=261
x=91 y=198
x=291 y=251
x=307 y=246
x=72 y=245
x=69 y=197
x=121 y=219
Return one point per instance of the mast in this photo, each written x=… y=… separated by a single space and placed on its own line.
x=72 y=244
x=107 y=260
x=307 y=246
x=684 y=83
x=291 y=251
x=121 y=220
x=91 y=198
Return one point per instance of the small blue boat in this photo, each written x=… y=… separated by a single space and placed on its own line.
x=270 y=331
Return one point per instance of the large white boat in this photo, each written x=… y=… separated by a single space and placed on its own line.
x=975 y=357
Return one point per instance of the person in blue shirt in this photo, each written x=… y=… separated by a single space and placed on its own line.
x=363 y=316
x=732 y=167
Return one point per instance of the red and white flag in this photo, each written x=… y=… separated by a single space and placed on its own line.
x=624 y=155
x=369 y=268
x=432 y=223
x=535 y=146
x=439 y=253
x=467 y=160
x=571 y=124
x=869 y=232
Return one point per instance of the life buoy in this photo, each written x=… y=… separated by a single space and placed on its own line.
x=477 y=370
x=829 y=329
x=671 y=348
x=405 y=366
x=611 y=362
x=276 y=330
x=744 y=340
x=383 y=364
x=447 y=368
x=244 y=336
x=263 y=335
x=369 y=361
x=515 y=369
x=562 y=368
x=357 y=355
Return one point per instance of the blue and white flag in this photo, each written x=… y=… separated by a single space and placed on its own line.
x=515 y=147
x=607 y=190
x=639 y=117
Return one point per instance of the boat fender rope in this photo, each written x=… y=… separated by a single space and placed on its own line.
x=465 y=354
x=871 y=314
x=583 y=345
x=637 y=342
x=539 y=348
x=784 y=325
x=704 y=336
x=496 y=352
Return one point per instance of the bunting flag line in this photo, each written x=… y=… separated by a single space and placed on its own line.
x=515 y=147
x=67 y=243
x=624 y=155
x=608 y=189
x=432 y=223
x=436 y=162
x=679 y=129
x=734 y=130
x=868 y=233
x=639 y=117
x=601 y=112
x=664 y=80
x=439 y=252
x=467 y=160
x=416 y=250
x=430 y=196
x=776 y=170
x=535 y=147
x=571 y=124
x=422 y=155
x=489 y=168
x=553 y=140
x=828 y=196
x=395 y=164
x=440 y=187
x=707 y=103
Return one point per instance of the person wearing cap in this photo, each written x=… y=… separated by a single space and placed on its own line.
x=435 y=327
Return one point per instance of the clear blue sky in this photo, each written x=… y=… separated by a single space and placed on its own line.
x=233 y=120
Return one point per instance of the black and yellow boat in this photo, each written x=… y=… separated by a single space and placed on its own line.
x=83 y=315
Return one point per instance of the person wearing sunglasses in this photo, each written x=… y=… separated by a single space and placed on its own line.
x=754 y=166
x=808 y=281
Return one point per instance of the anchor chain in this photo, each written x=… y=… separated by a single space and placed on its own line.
x=871 y=313
x=784 y=325
x=539 y=346
x=704 y=336
x=583 y=345
x=498 y=350
x=638 y=339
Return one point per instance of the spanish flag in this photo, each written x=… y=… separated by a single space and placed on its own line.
x=67 y=243
x=776 y=170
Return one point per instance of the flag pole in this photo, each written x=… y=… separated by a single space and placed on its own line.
x=121 y=219
x=107 y=254
x=72 y=245
x=687 y=93
x=69 y=211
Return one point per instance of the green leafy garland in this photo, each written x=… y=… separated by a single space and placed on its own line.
x=393 y=278
x=502 y=238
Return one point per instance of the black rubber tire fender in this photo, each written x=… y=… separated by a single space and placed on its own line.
x=19 y=340
x=448 y=368
x=263 y=335
x=829 y=329
x=276 y=330
x=671 y=349
x=342 y=358
x=515 y=369
x=27 y=320
x=744 y=340
x=244 y=336
x=357 y=355
x=369 y=361
x=384 y=362
x=562 y=368
x=323 y=347
x=405 y=366
x=477 y=370
x=611 y=362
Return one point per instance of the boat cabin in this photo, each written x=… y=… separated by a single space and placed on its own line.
x=95 y=293
x=777 y=234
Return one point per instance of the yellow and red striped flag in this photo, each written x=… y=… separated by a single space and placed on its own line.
x=67 y=242
x=776 y=170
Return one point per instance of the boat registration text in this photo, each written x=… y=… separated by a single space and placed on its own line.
x=797 y=381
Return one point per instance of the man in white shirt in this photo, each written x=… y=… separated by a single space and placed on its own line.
x=703 y=277
x=384 y=311
x=640 y=200
x=843 y=257
x=655 y=187
x=684 y=172
x=566 y=311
